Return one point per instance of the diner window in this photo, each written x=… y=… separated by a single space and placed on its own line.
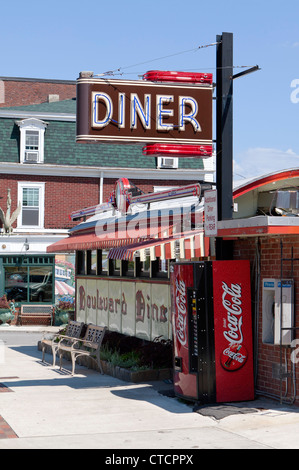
x=159 y=268
x=128 y=268
x=105 y=262
x=93 y=265
x=31 y=196
x=142 y=268
x=80 y=262
x=114 y=267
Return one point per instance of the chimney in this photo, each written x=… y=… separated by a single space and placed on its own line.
x=53 y=98
x=85 y=74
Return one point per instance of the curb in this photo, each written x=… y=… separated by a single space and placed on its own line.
x=140 y=376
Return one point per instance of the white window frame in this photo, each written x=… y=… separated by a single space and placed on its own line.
x=41 y=212
x=32 y=124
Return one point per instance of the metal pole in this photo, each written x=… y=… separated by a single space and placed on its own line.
x=224 y=132
x=224 y=136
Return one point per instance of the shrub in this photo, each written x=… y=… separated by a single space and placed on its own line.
x=131 y=352
x=4 y=302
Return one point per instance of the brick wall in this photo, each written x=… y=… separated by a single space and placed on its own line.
x=66 y=194
x=62 y=196
x=270 y=267
x=22 y=92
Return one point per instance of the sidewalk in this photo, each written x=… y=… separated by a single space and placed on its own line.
x=42 y=407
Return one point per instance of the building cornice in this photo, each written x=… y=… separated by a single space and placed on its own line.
x=17 y=114
x=100 y=172
x=38 y=80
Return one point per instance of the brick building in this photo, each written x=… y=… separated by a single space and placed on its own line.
x=50 y=175
x=265 y=230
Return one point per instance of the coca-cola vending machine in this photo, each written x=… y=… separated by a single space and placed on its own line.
x=212 y=331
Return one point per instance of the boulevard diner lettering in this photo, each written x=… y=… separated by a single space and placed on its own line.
x=134 y=308
x=143 y=112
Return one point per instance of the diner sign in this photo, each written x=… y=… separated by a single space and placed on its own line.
x=143 y=112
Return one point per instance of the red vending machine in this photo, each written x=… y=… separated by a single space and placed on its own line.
x=212 y=331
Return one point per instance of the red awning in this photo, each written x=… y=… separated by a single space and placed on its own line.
x=88 y=242
x=184 y=245
x=126 y=231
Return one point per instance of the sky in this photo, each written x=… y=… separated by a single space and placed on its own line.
x=58 y=39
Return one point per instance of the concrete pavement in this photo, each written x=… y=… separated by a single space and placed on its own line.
x=49 y=409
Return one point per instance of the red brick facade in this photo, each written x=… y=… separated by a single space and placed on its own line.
x=22 y=92
x=270 y=356
x=63 y=194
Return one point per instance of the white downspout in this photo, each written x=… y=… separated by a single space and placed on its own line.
x=101 y=187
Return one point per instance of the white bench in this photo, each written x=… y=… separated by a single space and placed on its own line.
x=73 y=330
x=89 y=346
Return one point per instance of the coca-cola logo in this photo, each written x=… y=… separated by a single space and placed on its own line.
x=235 y=355
x=181 y=310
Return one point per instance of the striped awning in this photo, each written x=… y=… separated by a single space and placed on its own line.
x=184 y=245
x=62 y=288
x=88 y=242
x=107 y=235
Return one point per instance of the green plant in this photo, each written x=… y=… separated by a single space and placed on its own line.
x=129 y=360
x=4 y=304
x=106 y=353
x=136 y=353
x=65 y=305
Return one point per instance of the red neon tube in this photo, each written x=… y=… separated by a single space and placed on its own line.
x=202 y=151
x=168 y=76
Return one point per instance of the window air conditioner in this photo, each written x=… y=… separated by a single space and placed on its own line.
x=166 y=162
x=31 y=157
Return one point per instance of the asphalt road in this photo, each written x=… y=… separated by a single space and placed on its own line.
x=22 y=338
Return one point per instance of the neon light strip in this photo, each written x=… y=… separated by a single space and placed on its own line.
x=184 y=191
x=178 y=150
x=88 y=211
x=167 y=76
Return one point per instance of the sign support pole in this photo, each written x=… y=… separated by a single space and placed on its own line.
x=224 y=136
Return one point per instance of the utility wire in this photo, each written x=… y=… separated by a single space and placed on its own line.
x=112 y=72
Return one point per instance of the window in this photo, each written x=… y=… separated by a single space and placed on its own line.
x=31 y=146
x=80 y=262
x=142 y=267
x=32 y=140
x=92 y=262
x=31 y=196
x=114 y=267
x=32 y=284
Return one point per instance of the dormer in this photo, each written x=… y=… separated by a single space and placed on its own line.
x=32 y=133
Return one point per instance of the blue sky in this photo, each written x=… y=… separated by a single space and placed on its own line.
x=60 y=38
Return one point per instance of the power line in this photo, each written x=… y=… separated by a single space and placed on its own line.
x=112 y=72
x=140 y=73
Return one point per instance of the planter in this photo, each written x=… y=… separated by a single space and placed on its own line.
x=139 y=376
x=6 y=317
x=62 y=317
